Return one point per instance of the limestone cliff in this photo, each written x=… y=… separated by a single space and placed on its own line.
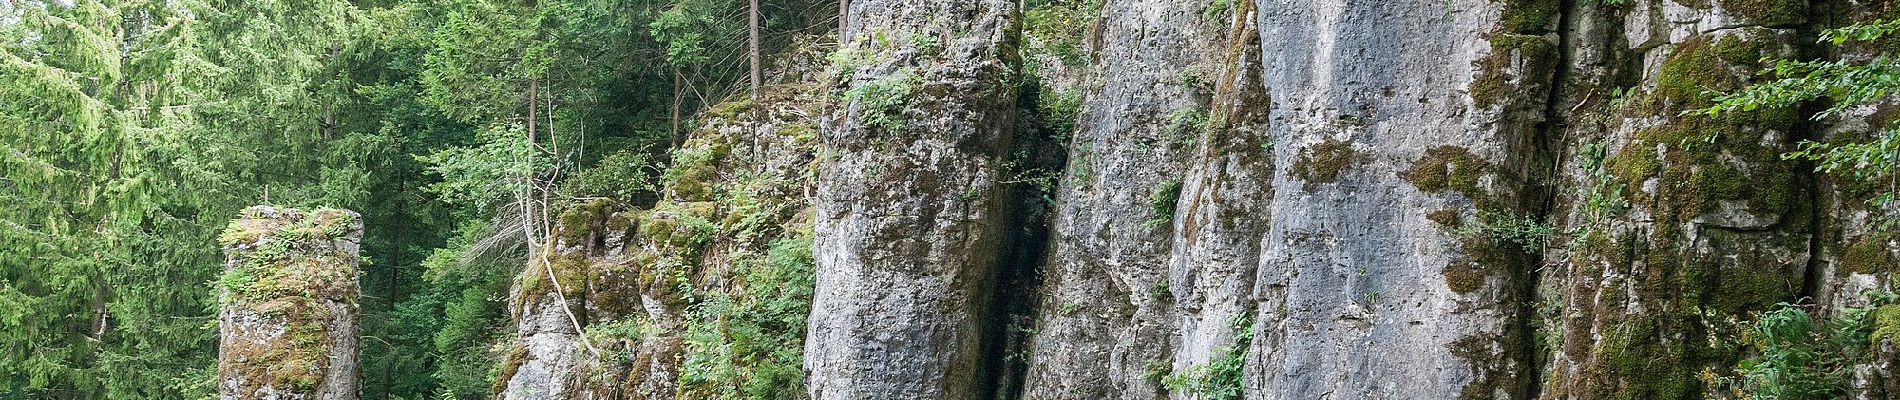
x=1260 y=199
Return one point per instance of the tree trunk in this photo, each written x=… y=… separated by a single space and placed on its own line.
x=754 y=50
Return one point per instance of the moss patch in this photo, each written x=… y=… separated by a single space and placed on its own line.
x=1479 y=257
x=695 y=168
x=1868 y=255
x=1451 y=168
x=1703 y=64
x=1886 y=324
x=1637 y=362
x=1464 y=278
x=1323 y=162
x=1489 y=377
x=1446 y=217
x=1767 y=12
x=1529 y=17
x=1516 y=62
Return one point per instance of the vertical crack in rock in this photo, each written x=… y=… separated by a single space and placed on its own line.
x=1531 y=326
x=1105 y=326
x=1033 y=170
x=287 y=325
x=1851 y=258
x=911 y=210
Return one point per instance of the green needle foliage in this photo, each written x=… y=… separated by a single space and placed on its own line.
x=132 y=131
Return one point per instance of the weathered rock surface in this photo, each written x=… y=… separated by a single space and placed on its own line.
x=1144 y=259
x=909 y=209
x=1262 y=199
x=1685 y=223
x=287 y=326
x=1398 y=129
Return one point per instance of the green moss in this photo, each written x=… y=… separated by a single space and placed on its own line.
x=1464 y=278
x=1450 y=168
x=695 y=168
x=1868 y=255
x=1529 y=17
x=1498 y=73
x=571 y=271
x=1489 y=376
x=1886 y=325
x=1635 y=163
x=621 y=222
x=517 y=355
x=1704 y=64
x=1323 y=162
x=804 y=132
x=730 y=109
x=1741 y=288
x=1767 y=12
x=1446 y=217
x=1479 y=257
x=1636 y=362
x=578 y=222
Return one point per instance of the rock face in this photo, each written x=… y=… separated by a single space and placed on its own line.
x=287 y=324
x=1259 y=199
x=1398 y=143
x=910 y=210
x=1685 y=222
x=1127 y=281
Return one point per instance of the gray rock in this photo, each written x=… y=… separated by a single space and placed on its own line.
x=287 y=326
x=908 y=218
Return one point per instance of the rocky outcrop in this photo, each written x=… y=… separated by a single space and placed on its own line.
x=1259 y=199
x=910 y=209
x=287 y=312
x=698 y=294
x=1143 y=258
x=1683 y=224
x=1401 y=145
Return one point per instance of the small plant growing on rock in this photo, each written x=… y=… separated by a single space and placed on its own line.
x=1185 y=125
x=1797 y=357
x=1161 y=204
x=883 y=100
x=1504 y=227
x=1220 y=377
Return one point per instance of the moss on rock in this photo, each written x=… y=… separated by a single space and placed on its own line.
x=1323 y=162
x=1529 y=17
x=1868 y=255
x=1451 y=168
x=1516 y=62
x=1446 y=217
x=1886 y=325
x=1767 y=12
x=285 y=271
